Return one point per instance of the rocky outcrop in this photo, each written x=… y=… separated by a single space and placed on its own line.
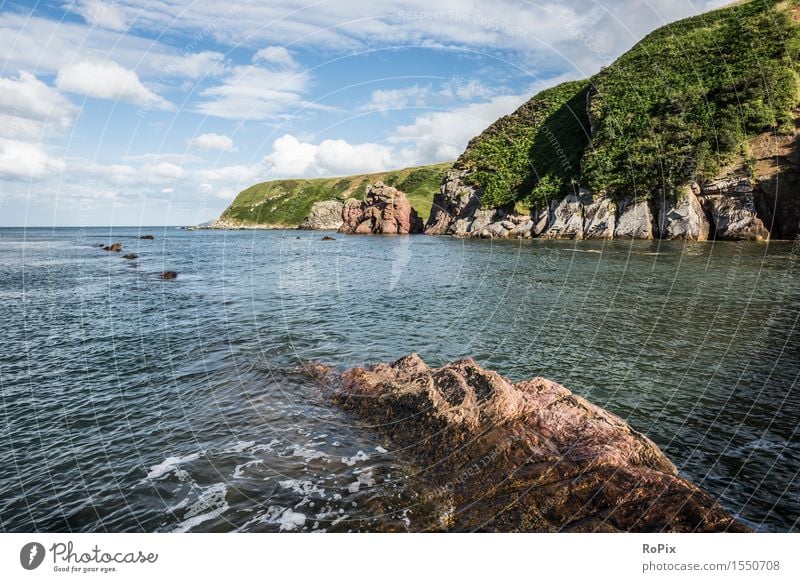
x=324 y=215
x=635 y=220
x=566 y=218
x=530 y=456
x=600 y=218
x=730 y=202
x=385 y=210
x=113 y=247
x=168 y=275
x=456 y=199
x=684 y=218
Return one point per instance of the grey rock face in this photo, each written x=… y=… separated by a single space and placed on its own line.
x=730 y=203
x=683 y=218
x=600 y=218
x=455 y=200
x=635 y=221
x=325 y=215
x=566 y=218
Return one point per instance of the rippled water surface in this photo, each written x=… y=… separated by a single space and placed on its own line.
x=135 y=404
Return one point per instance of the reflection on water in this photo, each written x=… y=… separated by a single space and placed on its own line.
x=132 y=404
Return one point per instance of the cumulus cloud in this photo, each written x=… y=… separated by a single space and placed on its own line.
x=107 y=80
x=255 y=93
x=213 y=141
x=29 y=106
x=102 y=14
x=388 y=99
x=526 y=28
x=278 y=55
x=442 y=135
x=26 y=160
x=291 y=157
x=195 y=65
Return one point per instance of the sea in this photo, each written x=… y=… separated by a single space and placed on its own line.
x=136 y=404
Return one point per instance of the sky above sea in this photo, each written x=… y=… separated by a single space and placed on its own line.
x=158 y=112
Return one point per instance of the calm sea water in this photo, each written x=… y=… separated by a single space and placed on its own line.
x=135 y=404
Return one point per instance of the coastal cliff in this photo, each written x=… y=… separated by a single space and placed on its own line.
x=670 y=141
x=530 y=456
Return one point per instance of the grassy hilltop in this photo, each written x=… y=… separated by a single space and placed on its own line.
x=287 y=202
x=677 y=107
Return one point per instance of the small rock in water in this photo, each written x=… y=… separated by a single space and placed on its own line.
x=147 y=237
x=113 y=248
x=325 y=238
x=130 y=256
x=167 y=275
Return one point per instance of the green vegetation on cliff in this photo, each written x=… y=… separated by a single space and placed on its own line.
x=675 y=108
x=287 y=202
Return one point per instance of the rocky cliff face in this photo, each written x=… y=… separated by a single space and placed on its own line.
x=529 y=456
x=730 y=208
x=385 y=210
x=325 y=215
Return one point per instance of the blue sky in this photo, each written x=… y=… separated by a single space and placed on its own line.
x=158 y=112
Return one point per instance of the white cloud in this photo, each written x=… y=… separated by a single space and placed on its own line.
x=291 y=157
x=102 y=14
x=28 y=107
x=166 y=170
x=278 y=55
x=526 y=28
x=107 y=80
x=26 y=160
x=387 y=99
x=255 y=93
x=196 y=65
x=442 y=135
x=213 y=141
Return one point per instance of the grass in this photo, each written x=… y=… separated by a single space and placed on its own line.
x=675 y=108
x=287 y=202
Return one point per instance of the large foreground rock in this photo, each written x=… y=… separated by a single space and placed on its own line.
x=529 y=456
x=324 y=215
x=385 y=210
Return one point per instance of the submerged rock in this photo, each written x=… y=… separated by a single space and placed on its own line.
x=113 y=248
x=385 y=210
x=324 y=215
x=147 y=237
x=327 y=238
x=169 y=275
x=529 y=456
x=130 y=256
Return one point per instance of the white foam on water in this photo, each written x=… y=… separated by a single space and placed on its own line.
x=238 y=471
x=211 y=504
x=269 y=447
x=239 y=446
x=359 y=456
x=291 y=520
x=365 y=479
x=302 y=487
x=308 y=454
x=171 y=464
